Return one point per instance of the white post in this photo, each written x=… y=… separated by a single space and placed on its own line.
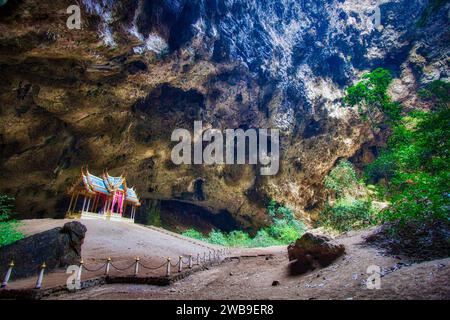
x=209 y=257
x=198 y=258
x=136 y=267
x=70 y=204
x=190 y=261
x=80 y=270
x=41 y=276
x=84 y=204
x=180 y=264
x=88 y=204
x=8 y=275
x=108 y=265
x=168 y=268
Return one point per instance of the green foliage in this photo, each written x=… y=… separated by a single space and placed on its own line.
x=342 y=178
x=284 y=230
x=383 y=168
x=264 y=239
x=192 y=233
x=6 y=205
x=8 y=228
x=370 y=95
x=348 y=214
x=415 y=164
x=272 y=208
x=238 y=238
x=152 y=214
x=414 y=167
x=419 y=196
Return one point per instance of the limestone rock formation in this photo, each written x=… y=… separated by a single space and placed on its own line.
x=110 y=95
x=59 y=247
x=312 y=251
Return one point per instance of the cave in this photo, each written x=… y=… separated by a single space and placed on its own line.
x=198 y=190
x=180 y=216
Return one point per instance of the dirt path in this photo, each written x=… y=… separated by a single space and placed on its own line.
x=123 y=242
x=252 y=278
x=120 y=240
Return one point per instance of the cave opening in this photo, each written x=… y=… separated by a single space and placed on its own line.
x=180 y=216
x=198 y=190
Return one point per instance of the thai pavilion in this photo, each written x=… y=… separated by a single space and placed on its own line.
x=104 y=197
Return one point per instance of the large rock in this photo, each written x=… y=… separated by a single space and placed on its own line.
x=312 y=251
x=59 y=247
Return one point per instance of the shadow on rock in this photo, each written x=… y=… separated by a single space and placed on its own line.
x=311 y=252
x=58 y=248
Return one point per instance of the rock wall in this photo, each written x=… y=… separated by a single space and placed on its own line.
x=57 y=248
x=110 y=95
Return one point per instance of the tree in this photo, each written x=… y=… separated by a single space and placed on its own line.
x=416 y=161
x=8 y=228
x=342 y=179
x=371 y=97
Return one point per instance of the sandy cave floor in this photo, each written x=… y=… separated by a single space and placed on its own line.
x=251 y=278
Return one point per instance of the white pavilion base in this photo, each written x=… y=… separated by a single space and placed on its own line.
x=108 y=216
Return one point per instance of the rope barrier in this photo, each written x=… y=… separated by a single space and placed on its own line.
x=174 y=265
x=122 y=269
x=152 y=268
x=216 y=255
x=95 y=270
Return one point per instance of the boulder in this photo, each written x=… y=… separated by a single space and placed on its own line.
x=312 y=251
x=58 y=248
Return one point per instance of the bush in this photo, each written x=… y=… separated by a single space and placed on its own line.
x=383 y=168
x=352 y=208
x=8 y=228
x=239 y=238
x=191 y=233
x=219 y=238
x=419 y=197
x=342 y=179
x=284 y=230
x=264 y=239
x=348 y=214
